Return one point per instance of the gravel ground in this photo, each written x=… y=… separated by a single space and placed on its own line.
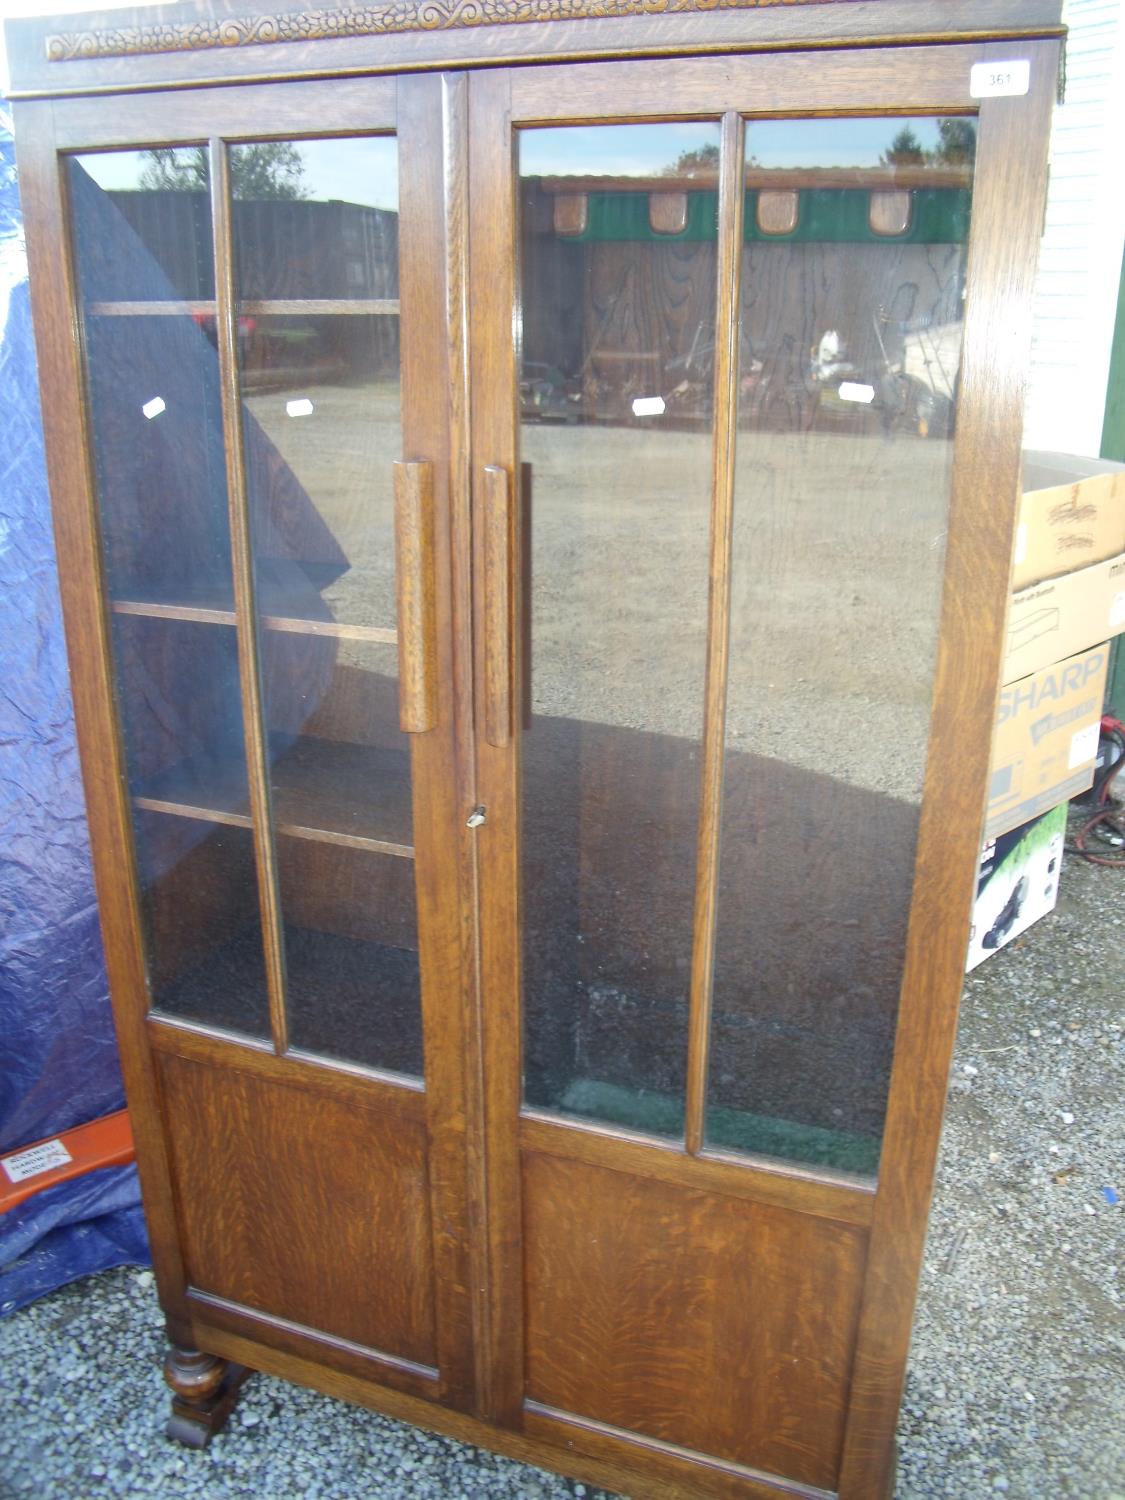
x=1017 y=1381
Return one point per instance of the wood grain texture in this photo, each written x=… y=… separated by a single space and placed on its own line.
x=642 y=1295
x=71 y=477
x=205 y=33
x=853 y=24
x=492 y=240
x=242 y=569
x=344 y=1082
x=357 y=104
x=725 y=427
x=1007 y=221
x=705 y=1473
x=434 y=421
x=414 y=588
x=599 y=1145
x=624 y=1467
x=339 y=1353
x=453 y=100
x=935 y=80
x=273 y=1216
x=496 y=520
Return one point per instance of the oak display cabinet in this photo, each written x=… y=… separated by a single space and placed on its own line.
x=534 y=494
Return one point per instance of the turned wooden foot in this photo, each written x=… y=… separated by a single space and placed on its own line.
x=204 y=1390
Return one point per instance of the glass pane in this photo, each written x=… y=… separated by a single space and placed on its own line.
x=154 y=208
x=141 y=246
x=316 y=258
x=340 y=789
x=316 y=252
x=617 y=268
x=850 y=346
x=152 y=374
x=200 y=904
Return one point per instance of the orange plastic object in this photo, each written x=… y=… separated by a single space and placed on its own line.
x=107 y=1142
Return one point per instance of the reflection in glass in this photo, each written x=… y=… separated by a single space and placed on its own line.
x=850 y=344
x=615 y=394
x=316 y=262
x=152 y=377
x=316 y=255
x=141 y=228
x=199 y=900
x=158 y=203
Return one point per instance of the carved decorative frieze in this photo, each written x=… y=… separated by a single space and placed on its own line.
x=365 y=20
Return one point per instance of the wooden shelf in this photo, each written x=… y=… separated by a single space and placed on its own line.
x=259 y=307
x=210 y=614
x=332 y=793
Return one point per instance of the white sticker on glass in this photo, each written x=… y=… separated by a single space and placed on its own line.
x=1084 y=745
x=154 y=407
x=1021 y=543
x=34 y=1160
x=648 y=406
x=994 y=80
x=301 y=408
x=851 y=390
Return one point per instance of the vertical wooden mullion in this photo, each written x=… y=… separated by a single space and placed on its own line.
x=242 y=568
x=725 y=405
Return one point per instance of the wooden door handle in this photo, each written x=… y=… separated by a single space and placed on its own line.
x=414 y=594
x=496 y=508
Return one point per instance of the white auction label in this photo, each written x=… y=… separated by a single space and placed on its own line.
x=154 y=407
x=851 y=390
x=994 y=80
x=36 y=1159
x=301 y=408
x=648 y=406
x=1021 y=543
x=1084 y=745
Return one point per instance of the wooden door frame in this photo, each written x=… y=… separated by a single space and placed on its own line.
x=1009 y=189
x=46 y=130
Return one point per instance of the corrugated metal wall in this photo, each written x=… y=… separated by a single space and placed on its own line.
x=1080 y=264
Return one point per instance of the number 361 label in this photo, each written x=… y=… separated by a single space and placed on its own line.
x=991 y=80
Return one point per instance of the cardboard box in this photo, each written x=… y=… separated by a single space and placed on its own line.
x=1071 y=515
x=1061 y=616
x=1018 y=883
x=1046 y=740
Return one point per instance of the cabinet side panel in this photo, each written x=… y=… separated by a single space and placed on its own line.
x=68 y=467
x=303 y=1207
x=643 y=1295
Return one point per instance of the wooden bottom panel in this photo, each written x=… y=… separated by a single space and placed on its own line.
x=276 y=1217
x=644 y=1473
x=712 y=1323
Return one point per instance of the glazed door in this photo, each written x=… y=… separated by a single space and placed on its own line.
x=279 y=836
x=738 y=405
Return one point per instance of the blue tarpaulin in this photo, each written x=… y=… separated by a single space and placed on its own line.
x=58 y=1055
